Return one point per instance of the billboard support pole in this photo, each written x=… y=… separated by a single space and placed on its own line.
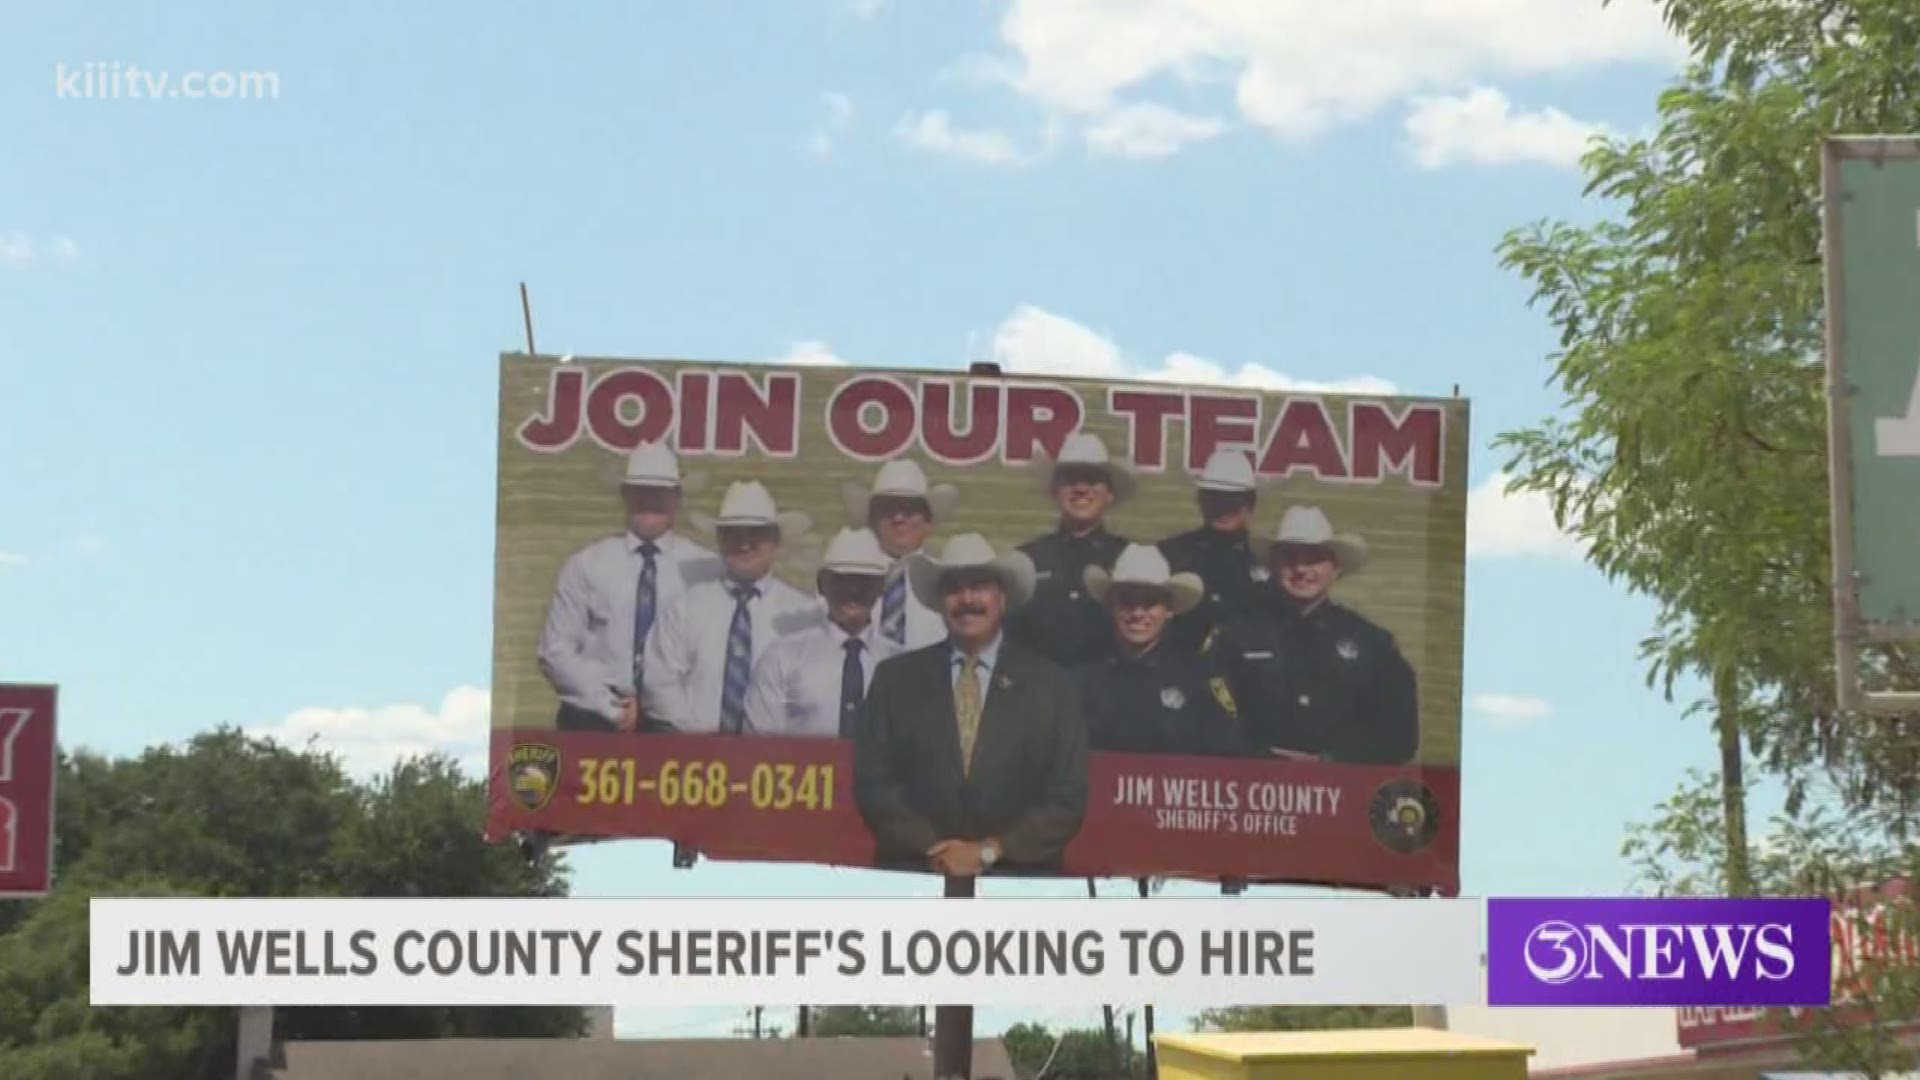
x=953 y=1024
x=526 y=317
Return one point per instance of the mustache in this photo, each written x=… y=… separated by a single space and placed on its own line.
x=969 y=609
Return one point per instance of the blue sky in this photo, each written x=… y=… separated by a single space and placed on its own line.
x=248 y=347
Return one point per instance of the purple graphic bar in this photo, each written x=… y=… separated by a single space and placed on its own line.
x=1659 y=952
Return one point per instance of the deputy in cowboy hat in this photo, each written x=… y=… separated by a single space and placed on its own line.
x=1219 y=550
x=812 y=683
x=901 y=509
x=1062 y=622
x=609 y=594
x=700 y=656
x=1313 y=678
x=971 y=753
x=1148 y=696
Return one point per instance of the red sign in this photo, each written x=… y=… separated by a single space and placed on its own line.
x=26 y=789
x=1863 y=932
x=792 y=800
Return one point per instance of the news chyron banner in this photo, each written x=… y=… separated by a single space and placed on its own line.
x=1212 y=633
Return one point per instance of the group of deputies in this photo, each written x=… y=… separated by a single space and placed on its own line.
x=1207 y=643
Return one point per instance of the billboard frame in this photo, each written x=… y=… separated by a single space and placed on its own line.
x=1849 y=628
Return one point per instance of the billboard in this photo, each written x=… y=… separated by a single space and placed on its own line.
x=27 y=768
x=1872 y=236
x=1032 y=625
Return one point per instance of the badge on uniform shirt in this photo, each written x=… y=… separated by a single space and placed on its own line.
x=1348 y=649
x=1172 y=698
x=1224 y=695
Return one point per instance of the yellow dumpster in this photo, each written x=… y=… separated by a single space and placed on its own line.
x=1357 y=1054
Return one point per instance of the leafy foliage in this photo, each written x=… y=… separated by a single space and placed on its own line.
x=1303 y=1017
x=1692 y=464
x=829 y=1021
x=1074 y=1054
x=228 y=815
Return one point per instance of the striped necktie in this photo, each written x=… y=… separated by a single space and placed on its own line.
x=733 y=688
x=853 y=685
x=646 y=595
x=893 y=608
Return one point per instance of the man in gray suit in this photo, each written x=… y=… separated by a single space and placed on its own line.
x=971 y=752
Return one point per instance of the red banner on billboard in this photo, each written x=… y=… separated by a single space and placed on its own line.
x=26 y=789
x=1869 y=927
x=780 y=799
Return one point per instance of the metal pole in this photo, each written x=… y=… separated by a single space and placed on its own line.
x=953 y=1024
x=526 y=314
x=1153 y=1059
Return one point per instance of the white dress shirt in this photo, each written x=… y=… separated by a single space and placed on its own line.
x=983 y=671
x=797 y=683
x=686 y=659
x=586 y=649
x=924 y=625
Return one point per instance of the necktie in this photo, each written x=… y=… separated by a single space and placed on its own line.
x=646 y=596
x=966 y=709
x=733 y=687
x=893 y=609
x=853 y=686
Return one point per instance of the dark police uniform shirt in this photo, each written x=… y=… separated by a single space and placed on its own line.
x=1225 y=563
x=1061 y=622
x=1166 y=702
x=1327 y=682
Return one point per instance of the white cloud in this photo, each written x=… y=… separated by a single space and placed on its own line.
x=90 y=544
x=19 y=251
x=935 y=133
x=1481 y=128
x=12 y=558
x=63 y=250
x=1181 y=367
x=368 y=741
x=1148 y=130
x=1512 y=710
x=1039 y=342
x=866 y=9
x=16 y=249
x=838 y=120
x=1035 y=341
x=1298 y=67
x=811 y=353
x=1517 y=523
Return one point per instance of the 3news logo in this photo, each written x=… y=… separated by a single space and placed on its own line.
x=1772 y=952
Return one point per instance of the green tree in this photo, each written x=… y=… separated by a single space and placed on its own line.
x=1303 y=1017
x=1690 y=323
x=1821 y=849
x=229 y=815
x=1074 y=1054
x=1028 y=1046
x=829 y=1021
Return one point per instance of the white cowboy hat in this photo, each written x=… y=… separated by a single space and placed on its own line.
x=901 y=478
x=1307 y=526
x=1142 y=564
x=1227 y=470
x=964 y=552
x=653 y=465
x=856 y=551
x=749 y=503
x=1085 y=448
